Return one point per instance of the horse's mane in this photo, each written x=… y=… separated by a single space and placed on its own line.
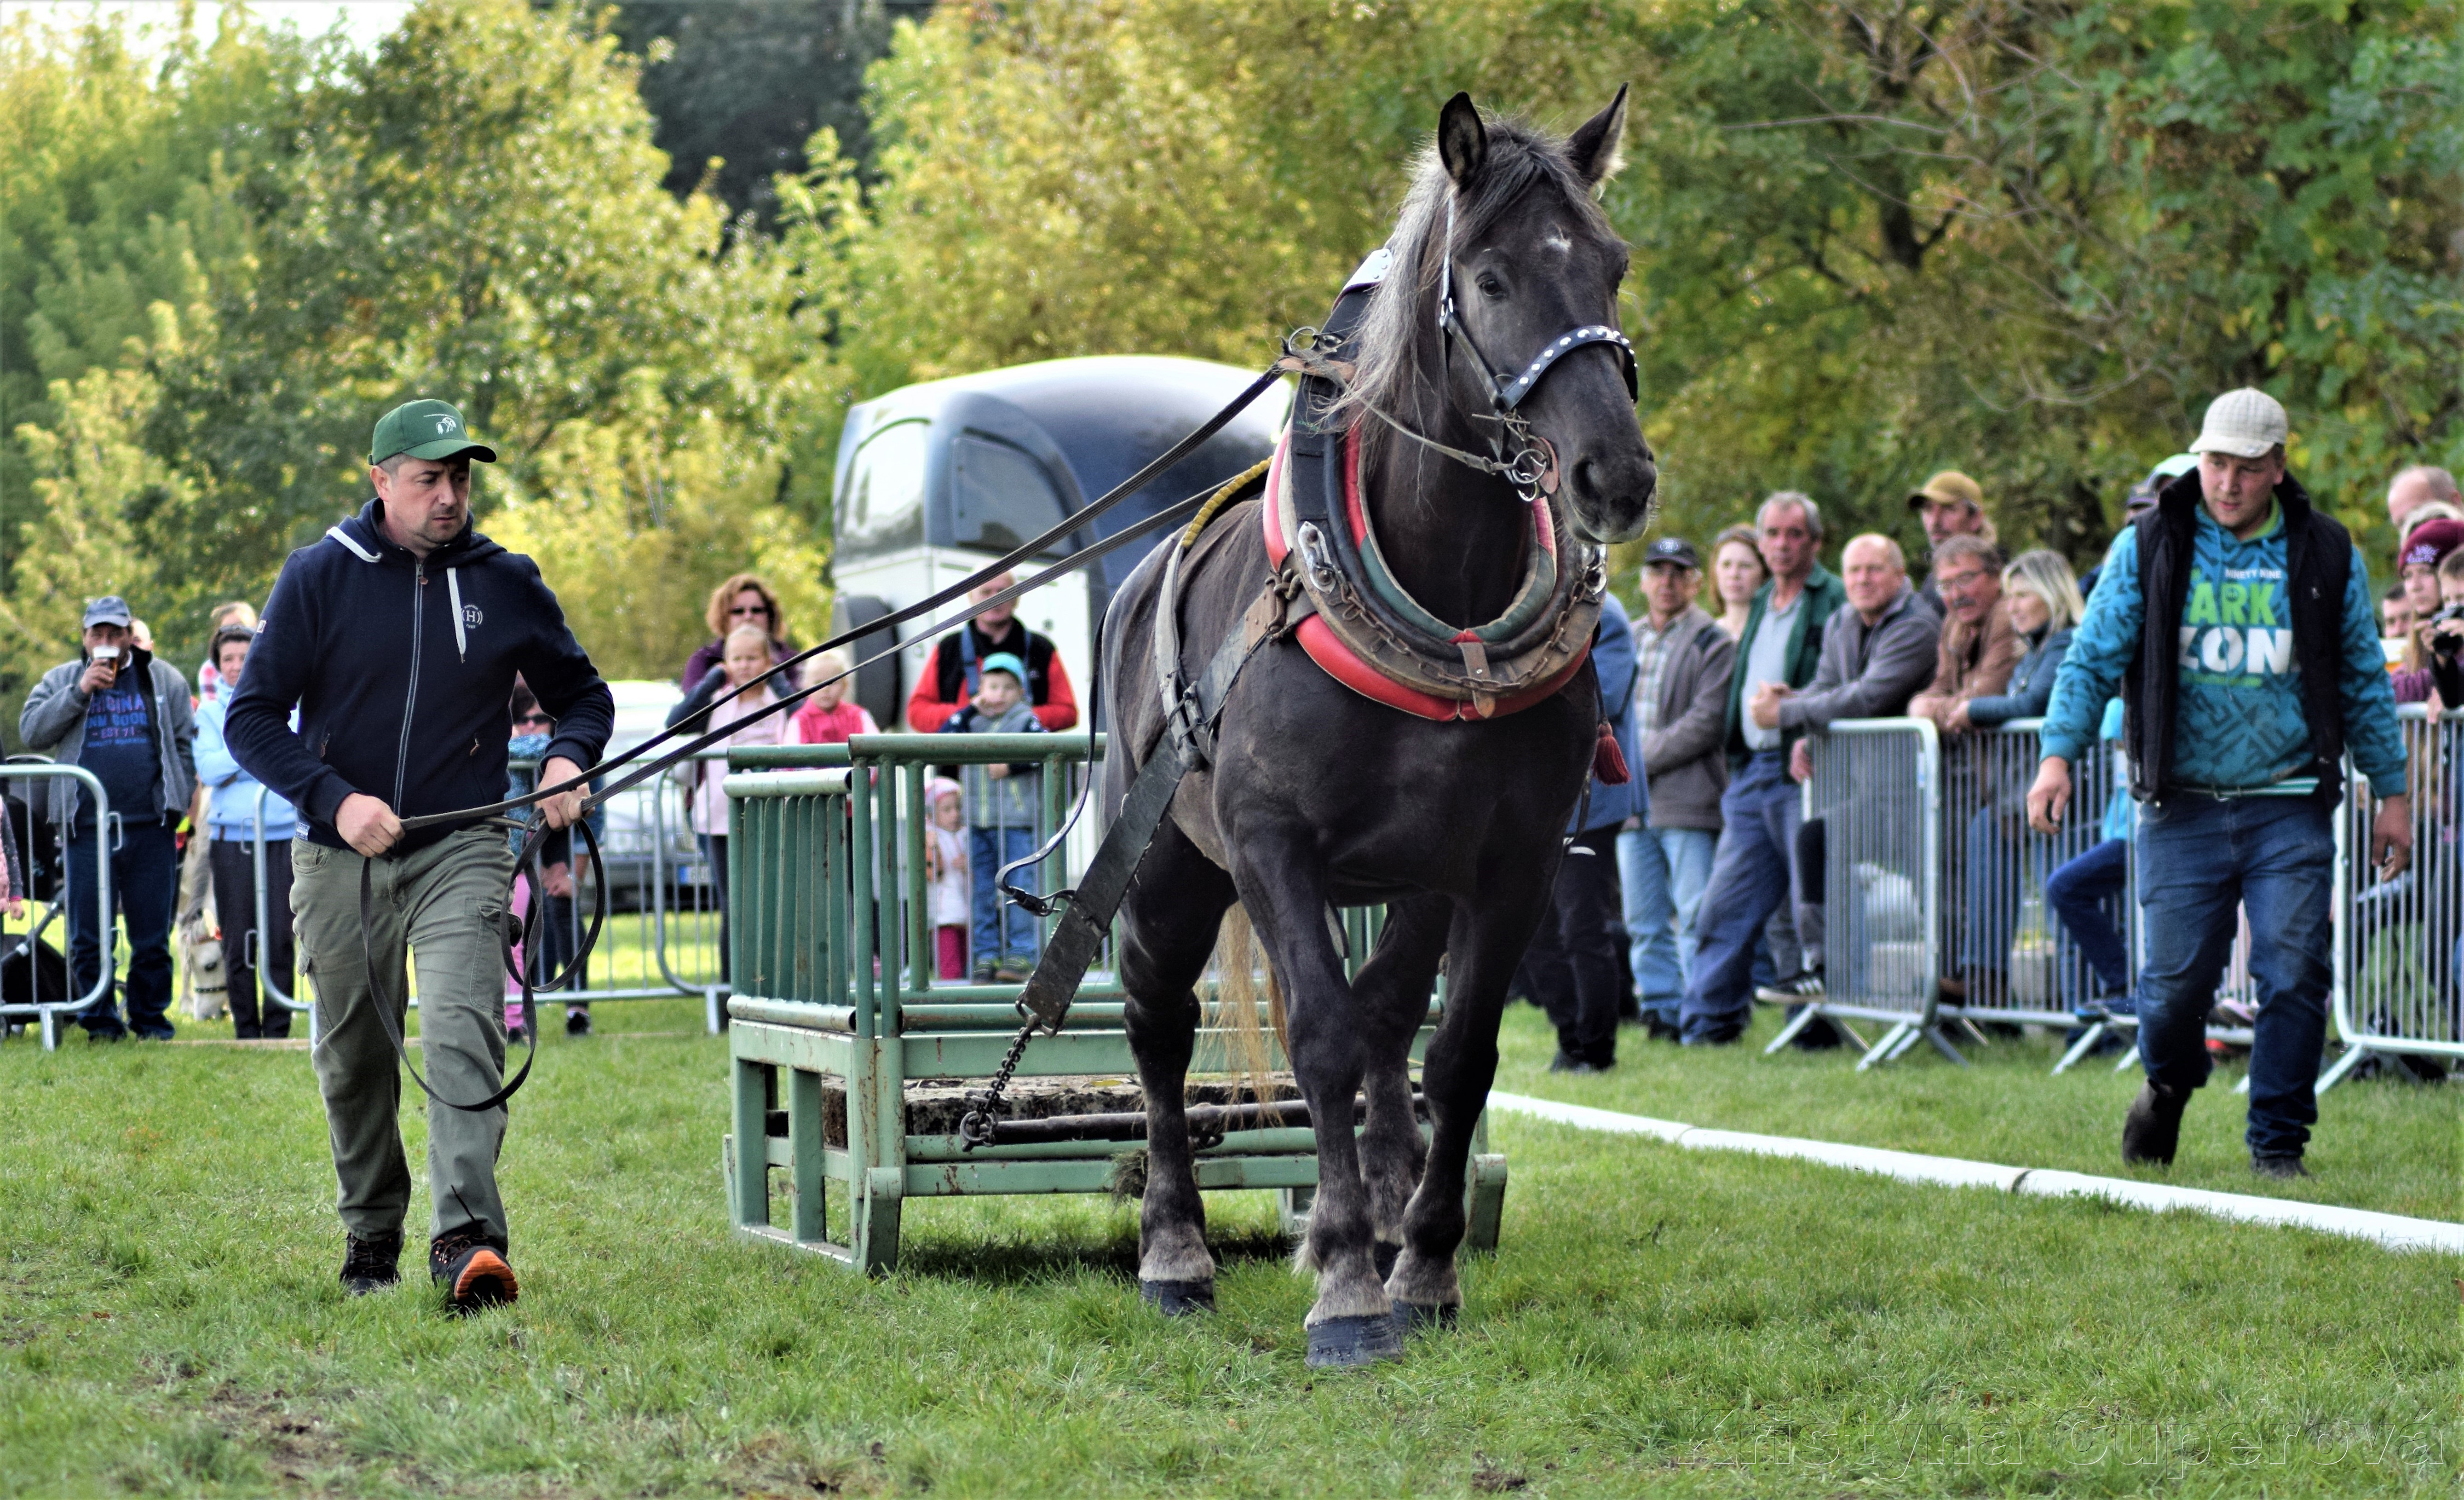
x=1398 y=342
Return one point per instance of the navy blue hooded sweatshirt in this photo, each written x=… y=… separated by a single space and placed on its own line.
x=403 y=669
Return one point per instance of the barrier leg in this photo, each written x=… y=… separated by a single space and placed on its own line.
x=1485 y=1202
x=1940 y=1043
x=751 y=1187
x=1788 y=1033
x=2086 y=1043
x=1292 y=1205
x=2343 y=1066
x=713 y=1012
x=1888 y=1045
x=803 y=1103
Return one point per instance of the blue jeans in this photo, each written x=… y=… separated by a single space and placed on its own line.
x=2200 y=859
x=1001 y=930
x=1663 y=873
x=1750 y=878
x=2077 y=893
x=145 y=886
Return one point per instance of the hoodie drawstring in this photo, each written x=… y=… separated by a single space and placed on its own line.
x=453 y=587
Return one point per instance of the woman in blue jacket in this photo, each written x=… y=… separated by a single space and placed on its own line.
x=232 y=821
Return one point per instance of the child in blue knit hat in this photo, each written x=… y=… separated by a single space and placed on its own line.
x=1002 y=807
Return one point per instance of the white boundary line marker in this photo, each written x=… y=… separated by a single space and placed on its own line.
x=2393 y=1231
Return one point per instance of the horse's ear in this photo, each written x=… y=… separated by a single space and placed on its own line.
x=1463 y=140
x=1596 y=145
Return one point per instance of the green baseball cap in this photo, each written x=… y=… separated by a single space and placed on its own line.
x=426 y=429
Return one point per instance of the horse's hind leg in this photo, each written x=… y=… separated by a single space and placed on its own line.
x=1168 y=926
x=1485 y=942
x=1393 y=993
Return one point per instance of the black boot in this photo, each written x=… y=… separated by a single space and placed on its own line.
x=2153 y=1126
x=370 y=1264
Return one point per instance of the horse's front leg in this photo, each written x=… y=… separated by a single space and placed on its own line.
x=1486 y=942
x=1168 y=926
x=1283 y=888
x=1393 y=993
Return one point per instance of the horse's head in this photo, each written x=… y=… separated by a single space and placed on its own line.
x=1503 y=227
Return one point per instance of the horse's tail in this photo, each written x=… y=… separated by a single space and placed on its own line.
x=1231 y=1019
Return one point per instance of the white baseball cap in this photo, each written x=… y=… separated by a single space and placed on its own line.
x=2245 y=423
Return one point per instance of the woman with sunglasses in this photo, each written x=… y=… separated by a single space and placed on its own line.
x=558 y=932
x=743 y=600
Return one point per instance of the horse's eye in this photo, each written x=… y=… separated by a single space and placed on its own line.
x=1490 y=285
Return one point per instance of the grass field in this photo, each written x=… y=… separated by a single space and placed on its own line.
x=1658 y=1321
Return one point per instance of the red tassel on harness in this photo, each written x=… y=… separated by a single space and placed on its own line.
x=1608 y=761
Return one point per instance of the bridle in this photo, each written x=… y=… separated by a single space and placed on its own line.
x=1532 y=467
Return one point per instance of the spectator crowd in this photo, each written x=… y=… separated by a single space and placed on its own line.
x=2229 y=640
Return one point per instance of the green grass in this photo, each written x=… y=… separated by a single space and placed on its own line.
x=1658 y=1320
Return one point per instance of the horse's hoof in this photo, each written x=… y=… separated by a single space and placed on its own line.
x=1344 y=1343
x=1387 y=1255
x=1420 y=1317
x=1178 y=1298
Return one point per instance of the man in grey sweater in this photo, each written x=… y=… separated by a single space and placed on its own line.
x=1880 y=652
x=125 y=717
x=1683 y=664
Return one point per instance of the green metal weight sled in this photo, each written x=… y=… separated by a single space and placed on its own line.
x=852 y=1062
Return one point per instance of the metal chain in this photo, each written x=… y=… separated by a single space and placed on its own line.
x=975 y=1126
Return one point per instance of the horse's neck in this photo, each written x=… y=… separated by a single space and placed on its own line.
x=1456 y=540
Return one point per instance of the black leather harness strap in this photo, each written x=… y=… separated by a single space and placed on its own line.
x=1088 y=916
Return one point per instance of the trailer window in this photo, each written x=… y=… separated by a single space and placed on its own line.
x=883 y=508
x=999 y=495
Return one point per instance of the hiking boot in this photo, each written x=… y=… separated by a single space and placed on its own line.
x=1569 y=1063
x=472 y=1271
x=577 y=1022
x=2284 y=1169
x=370 y=1264
x=2153 y=1126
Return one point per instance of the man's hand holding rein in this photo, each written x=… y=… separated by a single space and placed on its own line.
x=367 y=824
x=565 y=810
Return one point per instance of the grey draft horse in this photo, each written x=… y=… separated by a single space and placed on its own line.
x=1319 y=796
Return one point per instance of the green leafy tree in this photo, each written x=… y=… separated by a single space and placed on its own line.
x=126 y=219
x=747 y=82
x=1874 y=237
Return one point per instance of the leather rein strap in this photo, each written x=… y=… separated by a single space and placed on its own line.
x=518 y=967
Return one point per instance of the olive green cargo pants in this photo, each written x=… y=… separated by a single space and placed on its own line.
x=446 y=904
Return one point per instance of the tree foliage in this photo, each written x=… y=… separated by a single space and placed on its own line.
x=747 y=82
x=1874 y=237
x=472 y=211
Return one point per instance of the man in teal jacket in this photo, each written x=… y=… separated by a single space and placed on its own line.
x=2237 y=622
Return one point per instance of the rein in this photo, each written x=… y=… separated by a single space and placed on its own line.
x=496 y=814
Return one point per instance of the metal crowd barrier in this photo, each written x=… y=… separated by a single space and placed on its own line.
x=2400 y=944
x=1876 y=797
x=853 y=1055
x=47 y=1014
x=1932 y=874
x=2015 y=962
